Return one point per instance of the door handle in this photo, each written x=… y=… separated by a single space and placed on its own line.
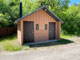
x=49 y=31
x=32 y=32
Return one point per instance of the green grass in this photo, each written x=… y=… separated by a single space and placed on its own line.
x=11 y=47
x=10 y=43
x=67 y=36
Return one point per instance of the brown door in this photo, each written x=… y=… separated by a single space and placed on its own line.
x=28 y=32
x=51 y=30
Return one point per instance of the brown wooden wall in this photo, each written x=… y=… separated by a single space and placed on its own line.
x=41 y=18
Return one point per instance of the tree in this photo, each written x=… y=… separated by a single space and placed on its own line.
x=3 y=20
x=71 y=20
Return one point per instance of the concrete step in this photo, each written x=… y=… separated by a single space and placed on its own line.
x=34 y=43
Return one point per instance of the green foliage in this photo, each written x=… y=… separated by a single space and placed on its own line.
x=29 y=6
x=3 y=20
x=71 y=20
x=9 y=12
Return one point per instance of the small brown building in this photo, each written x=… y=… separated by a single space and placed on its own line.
x=40 y=25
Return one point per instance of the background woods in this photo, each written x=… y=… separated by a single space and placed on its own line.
x=9 y=12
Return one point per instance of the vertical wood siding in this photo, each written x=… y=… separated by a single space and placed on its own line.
x=40 y=17
x=19 y=32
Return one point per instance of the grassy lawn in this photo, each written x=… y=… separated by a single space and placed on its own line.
x=67 y=36
x=10 y=43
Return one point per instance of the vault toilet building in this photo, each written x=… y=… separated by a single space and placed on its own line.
x=40 y=25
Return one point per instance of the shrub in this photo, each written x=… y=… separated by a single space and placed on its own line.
x=71 y=19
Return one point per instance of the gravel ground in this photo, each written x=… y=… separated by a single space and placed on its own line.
x=59 y=52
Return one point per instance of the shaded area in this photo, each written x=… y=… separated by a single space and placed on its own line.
x=64 y=41
x=59 y=42
x=7 y=31
x=12 y=37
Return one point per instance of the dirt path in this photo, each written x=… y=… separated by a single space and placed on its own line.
x=59 y=52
